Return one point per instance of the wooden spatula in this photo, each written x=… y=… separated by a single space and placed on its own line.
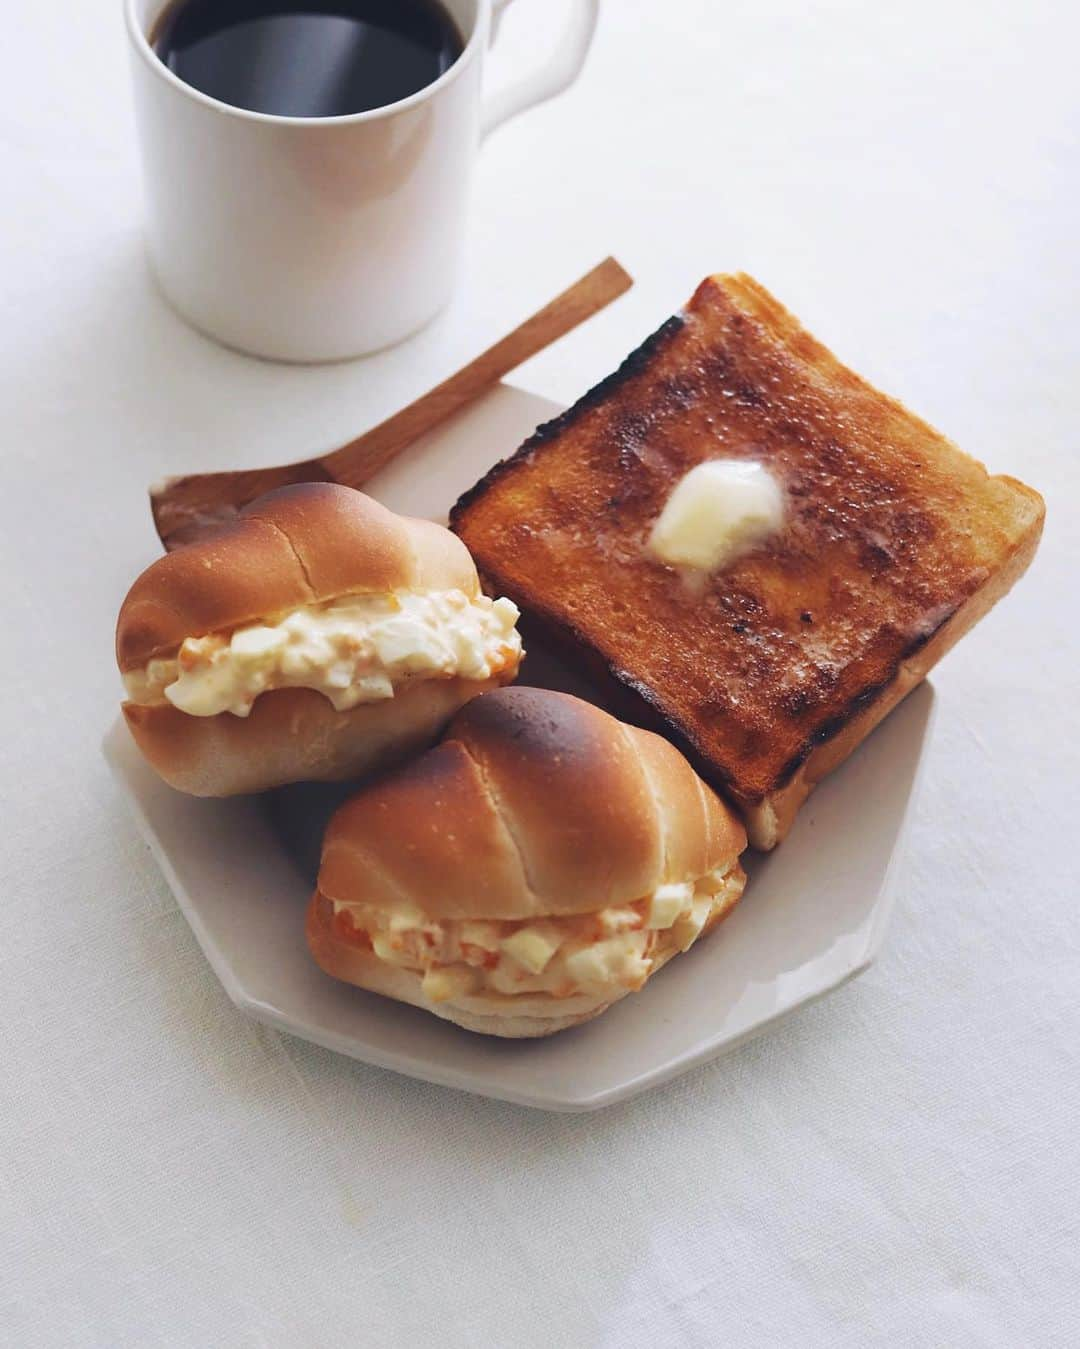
x=184 y=506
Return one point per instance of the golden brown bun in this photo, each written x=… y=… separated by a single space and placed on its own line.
x=536 y=804
x=291 y=547
x=894 y=544
x=521 y=1016
x=295 y=735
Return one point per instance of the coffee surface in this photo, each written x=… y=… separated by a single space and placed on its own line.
x=325 y=58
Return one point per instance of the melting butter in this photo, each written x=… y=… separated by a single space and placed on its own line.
x=718 y=511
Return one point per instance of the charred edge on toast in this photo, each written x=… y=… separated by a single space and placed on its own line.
x=638 y=360
x=635 y=701
x=859 y=702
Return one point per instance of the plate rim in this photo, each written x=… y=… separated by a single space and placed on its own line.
x=117 y=748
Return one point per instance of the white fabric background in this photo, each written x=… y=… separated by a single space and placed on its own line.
x=896 y=1166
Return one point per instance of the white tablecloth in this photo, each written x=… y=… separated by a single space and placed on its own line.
x=897 y=1165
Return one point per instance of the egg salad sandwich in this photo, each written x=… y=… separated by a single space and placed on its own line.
x=318 y=636
x=540 y=863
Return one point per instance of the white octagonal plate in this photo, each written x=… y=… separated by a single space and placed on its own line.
x=813 y=916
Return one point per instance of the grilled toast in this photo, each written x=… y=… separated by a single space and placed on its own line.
x=894 y=544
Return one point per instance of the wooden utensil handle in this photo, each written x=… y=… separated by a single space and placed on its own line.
x=184 y=507
x=353 y=464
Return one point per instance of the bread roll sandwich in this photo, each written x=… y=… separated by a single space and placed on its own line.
x=539 y=864
x=318 y=636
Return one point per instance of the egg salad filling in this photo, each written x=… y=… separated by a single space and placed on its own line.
x=593 y=953
x=355 y=649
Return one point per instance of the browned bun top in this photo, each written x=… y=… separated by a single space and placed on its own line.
x=535 y=804
x=291 y=547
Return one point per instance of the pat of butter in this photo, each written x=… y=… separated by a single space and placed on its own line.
x=720 y=509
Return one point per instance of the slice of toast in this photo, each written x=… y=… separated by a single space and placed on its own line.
x=894 y=543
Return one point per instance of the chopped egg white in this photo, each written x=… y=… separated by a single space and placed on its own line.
x=618 y=960
x=386 y=948
x=484 y=936
x=353 y=650
x=613 y=948
x=688 y=927
x=442 y=982
x=666 y=903
x=532 y=947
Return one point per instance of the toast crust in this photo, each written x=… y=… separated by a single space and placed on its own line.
x=894 y=544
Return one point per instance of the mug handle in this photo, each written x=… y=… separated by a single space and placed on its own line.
x=560 y=72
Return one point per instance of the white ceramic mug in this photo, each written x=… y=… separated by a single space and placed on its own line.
x=314 y=239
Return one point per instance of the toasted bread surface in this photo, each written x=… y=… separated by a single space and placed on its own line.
x=894 y=542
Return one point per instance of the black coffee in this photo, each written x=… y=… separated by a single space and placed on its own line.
x=307 y=58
